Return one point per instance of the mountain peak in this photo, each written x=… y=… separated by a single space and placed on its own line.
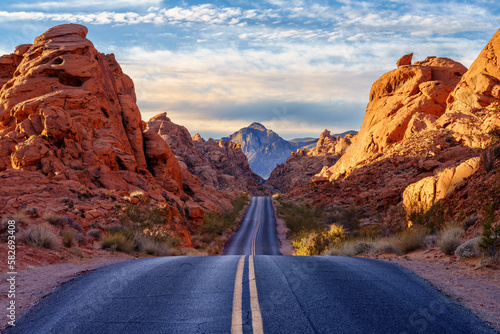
x=257 y=126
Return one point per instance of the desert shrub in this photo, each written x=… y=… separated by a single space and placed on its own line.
x=94 y=233
x=216 y=230
x=470 y=248
x=40 y=236
x=68 y=237
x=433 y=218
x=349 y=218
x=410 y=239
x=117 y=241
x=490 y=240
x=317 y=242
x=430 y=240
x=352 y=247
x=145 y=244
x=301 y=217
x=384 y=245
x=449 y=239
x=54 y=219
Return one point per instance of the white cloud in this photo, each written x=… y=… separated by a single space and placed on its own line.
x=78 y=4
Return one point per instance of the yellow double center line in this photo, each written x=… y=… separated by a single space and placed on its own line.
x=237 y=319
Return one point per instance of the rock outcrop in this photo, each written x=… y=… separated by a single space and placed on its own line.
x=218 y=164
x=70 y=126
x=305 y=163
x=402 y=102
x=420 y=196
x=425 y=127
x=473 y=108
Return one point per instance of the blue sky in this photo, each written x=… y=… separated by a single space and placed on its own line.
x=296 y=66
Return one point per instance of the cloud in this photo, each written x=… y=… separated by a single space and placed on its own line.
x=78 y=4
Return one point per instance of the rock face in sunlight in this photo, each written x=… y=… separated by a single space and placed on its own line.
x=427 y=131
x=474 y=105
x=305 y=163
x=402 y=102
x=70 y=129
x=220 y=165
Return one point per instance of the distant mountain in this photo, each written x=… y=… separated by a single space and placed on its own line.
x=264 y=148
x=306 y=142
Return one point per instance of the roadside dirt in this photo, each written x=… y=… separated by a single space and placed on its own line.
x=285 y=244
x=468 y=282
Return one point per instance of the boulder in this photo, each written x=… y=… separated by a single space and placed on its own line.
x=424 y=193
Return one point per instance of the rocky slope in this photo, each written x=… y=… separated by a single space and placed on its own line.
x=422 y=140
x=264 y=148
x=218 y=164
x=72 y=141
x=305 y=163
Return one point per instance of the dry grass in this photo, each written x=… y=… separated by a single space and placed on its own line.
x=450 y=239
x=117 y=242
x=410 y=239
x=40 y=236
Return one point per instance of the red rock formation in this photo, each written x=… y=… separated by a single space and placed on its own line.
x=220 y=165
x=474 y=105
x=404 y=97
x=69 y=121
x=305 y=163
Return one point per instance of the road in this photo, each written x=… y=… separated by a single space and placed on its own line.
x=257 y=233
x=248 y=293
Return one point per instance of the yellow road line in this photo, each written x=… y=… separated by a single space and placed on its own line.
x=257 y=326
x=254 y=238
x=237 y=319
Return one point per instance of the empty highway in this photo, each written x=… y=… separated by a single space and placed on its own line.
x=246 y=292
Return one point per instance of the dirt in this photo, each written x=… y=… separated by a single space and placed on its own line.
x=285 y=244
x=473 y=283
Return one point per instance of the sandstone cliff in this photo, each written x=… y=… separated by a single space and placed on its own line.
x=425 y=128
x=220 y=165
x=305 y=163
x=72 y=139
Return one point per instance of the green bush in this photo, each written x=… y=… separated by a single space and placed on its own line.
x=40 y=236
x=490 y=240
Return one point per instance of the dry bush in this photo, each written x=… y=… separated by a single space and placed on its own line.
x=449 y=239
x=94 y=233
x=117 y=241
x=410 y=240
x=41 y=236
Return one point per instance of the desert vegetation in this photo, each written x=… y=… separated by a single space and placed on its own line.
x=348 y=231
x=211 y=237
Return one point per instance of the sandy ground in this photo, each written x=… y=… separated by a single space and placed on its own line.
x=469 y=282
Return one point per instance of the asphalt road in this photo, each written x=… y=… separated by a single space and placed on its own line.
x=249 y=294
x=257 y=233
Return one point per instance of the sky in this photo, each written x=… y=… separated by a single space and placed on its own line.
x=298 y=67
